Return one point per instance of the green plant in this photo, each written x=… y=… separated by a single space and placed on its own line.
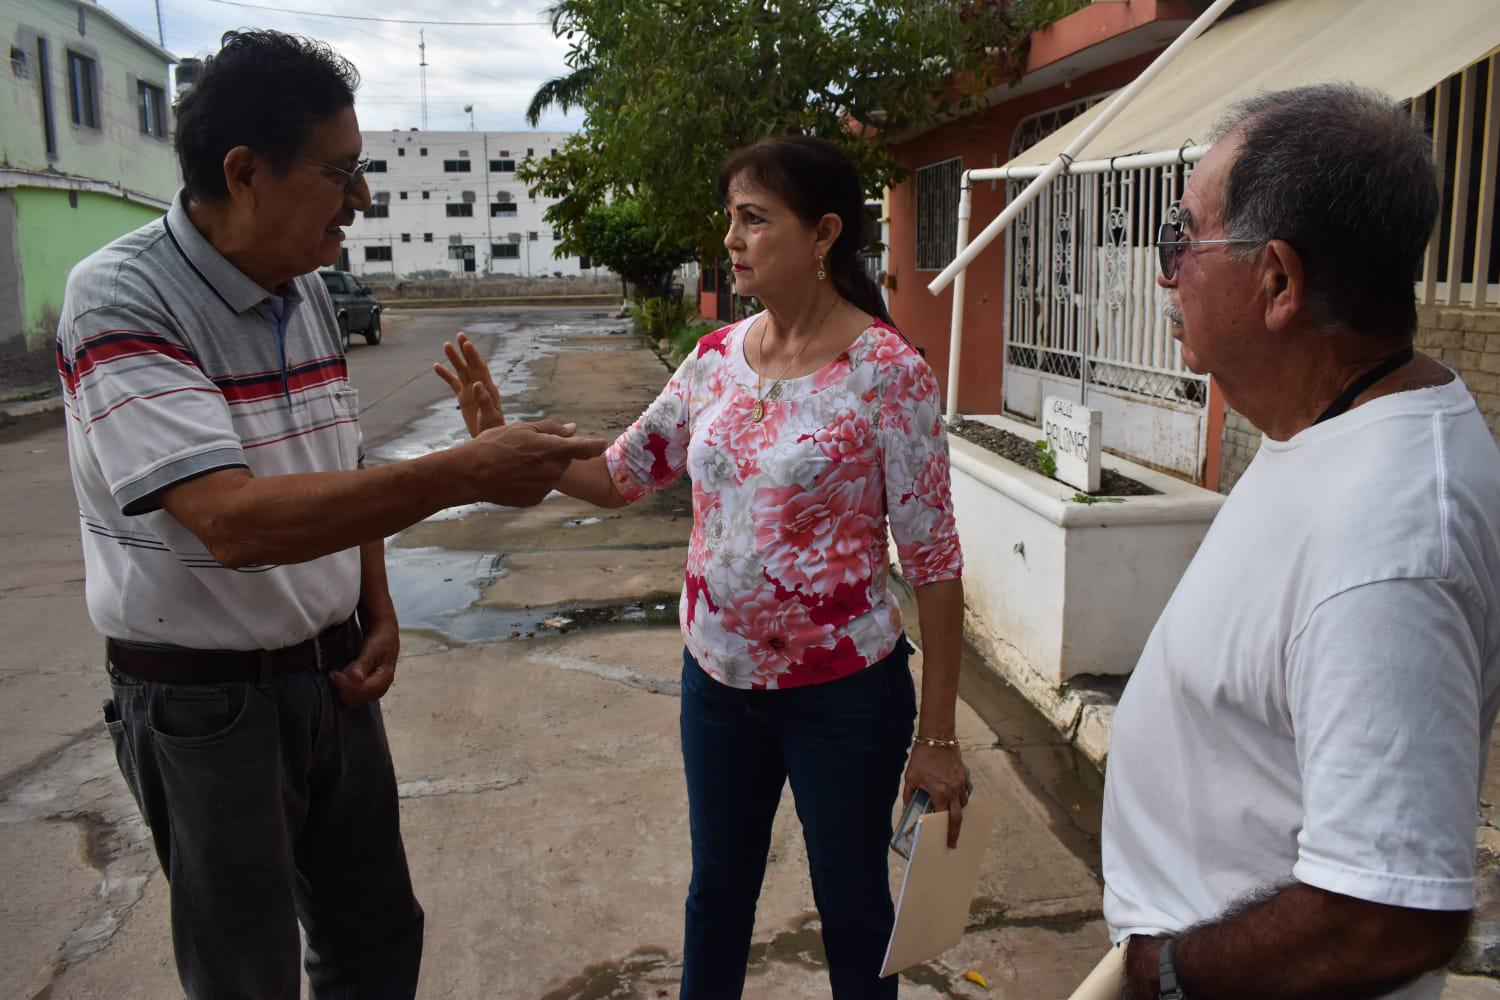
x=1046 y=458
x=686 y=339
x=665 y=318
x=1089 y=501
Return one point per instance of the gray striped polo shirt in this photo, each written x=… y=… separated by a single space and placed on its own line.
x=174 y=363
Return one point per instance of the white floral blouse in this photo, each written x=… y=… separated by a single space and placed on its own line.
x=786 y=579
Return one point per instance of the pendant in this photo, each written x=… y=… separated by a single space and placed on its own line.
x=757 y=411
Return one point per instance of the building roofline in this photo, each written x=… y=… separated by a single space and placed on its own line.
x=125 y=29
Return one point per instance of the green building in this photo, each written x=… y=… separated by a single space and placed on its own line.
x=85 y=150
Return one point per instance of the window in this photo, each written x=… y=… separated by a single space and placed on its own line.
x=531 y=236
x=584 y=264
x=377 y=253
x=503 y=209
x=505 y=251
x=83 y=77
x=937 y=214
x=400 y=150
x=49 y=132
x=406 y=237
x=455 y=166
x=333 y=282
x=423 y=151
x=459 y=210
x=426 y=195
x=530 y=152
x=376 y=167
x=18 y=63
x=403 y=195
x=378 y=212
x=502 y=166
x=153 y=107
x=463 y=252
x=426 y=237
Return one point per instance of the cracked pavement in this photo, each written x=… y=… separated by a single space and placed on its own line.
x=533 y=723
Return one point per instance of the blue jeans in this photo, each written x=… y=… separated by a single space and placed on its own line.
x=268 y=804
x=843 y=746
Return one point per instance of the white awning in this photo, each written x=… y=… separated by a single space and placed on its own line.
x=1401 y=47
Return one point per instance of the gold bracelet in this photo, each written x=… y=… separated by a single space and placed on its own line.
x=934 y=742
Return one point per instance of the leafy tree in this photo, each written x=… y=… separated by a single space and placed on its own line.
x=670 y=88
x=618 y=235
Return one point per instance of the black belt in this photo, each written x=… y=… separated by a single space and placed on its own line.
x=331 y=649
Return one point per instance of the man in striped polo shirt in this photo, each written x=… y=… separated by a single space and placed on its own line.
x=233 y=542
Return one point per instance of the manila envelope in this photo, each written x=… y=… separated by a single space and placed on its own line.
x=1107 y=981
x=938 y=886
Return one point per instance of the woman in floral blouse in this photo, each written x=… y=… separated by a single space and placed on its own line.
x=806 y=429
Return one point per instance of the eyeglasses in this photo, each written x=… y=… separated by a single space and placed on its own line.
x=1170 y=246
x=351 y=177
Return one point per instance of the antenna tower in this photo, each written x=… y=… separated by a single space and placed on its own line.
x=422 y=47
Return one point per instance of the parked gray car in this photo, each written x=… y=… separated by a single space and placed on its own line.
x=357 y=310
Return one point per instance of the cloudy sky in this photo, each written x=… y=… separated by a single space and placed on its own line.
x=495 y=65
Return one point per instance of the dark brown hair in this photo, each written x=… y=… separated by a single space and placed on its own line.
x=814 y=177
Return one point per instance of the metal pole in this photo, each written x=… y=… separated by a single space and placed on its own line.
x=956 y=337
x=1118 y=104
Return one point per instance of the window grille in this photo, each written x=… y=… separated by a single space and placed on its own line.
x=937 y=214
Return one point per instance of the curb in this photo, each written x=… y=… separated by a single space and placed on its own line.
x=31 y=407
x=577 y=301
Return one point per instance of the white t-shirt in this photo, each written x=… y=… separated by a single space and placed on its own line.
x=1316 y=701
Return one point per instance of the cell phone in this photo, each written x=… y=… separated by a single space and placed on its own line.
x=906 y=829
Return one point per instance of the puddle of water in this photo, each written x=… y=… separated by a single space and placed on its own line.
x=437 y=590
x=514 y=346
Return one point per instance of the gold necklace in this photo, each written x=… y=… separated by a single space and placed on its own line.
x=758 y=411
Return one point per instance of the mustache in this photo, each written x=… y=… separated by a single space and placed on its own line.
x=1173 y=312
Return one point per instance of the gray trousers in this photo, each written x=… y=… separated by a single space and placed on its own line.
x=268 y=804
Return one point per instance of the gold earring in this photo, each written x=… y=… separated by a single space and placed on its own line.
x=822 y=274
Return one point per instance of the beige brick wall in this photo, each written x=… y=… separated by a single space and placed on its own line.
x=1241 y=441
x=1467 y=340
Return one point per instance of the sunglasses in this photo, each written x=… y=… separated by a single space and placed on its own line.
x=1170 y=246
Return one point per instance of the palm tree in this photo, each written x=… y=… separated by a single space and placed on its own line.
x=563 y=91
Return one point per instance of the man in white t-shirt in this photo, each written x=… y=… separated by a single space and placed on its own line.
x=1291 y=800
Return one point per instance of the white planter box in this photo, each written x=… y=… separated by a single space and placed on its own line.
x=1068 y=588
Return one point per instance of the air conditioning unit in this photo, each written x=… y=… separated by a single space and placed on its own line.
x=513 y=237
x=382 y=197
x=468 y=196
x=463 y=154
x=502 y=198
x=455 y=238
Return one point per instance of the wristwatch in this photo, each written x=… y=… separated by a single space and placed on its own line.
x=1166 y=971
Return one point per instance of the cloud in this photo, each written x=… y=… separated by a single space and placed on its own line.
x=496 y=69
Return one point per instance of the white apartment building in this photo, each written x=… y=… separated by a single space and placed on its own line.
x=449 y=204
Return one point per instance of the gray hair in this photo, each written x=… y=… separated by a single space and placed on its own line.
x=1345 y=176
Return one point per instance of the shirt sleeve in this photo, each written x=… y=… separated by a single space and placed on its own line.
x=914 y=456
x=1385 y=694
x=652 y=452
x=150 y=416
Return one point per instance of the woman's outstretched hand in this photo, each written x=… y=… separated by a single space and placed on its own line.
x=472 y=385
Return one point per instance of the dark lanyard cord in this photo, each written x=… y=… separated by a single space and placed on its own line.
x=1364 y=382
